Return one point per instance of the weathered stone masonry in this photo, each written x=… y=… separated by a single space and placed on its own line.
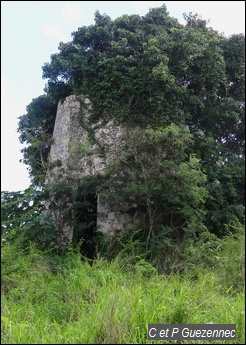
x=79 y=157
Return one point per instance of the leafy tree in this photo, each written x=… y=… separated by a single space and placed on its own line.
x=157 y=179
x=23 y=217
x=36 y=131
x=152 y=72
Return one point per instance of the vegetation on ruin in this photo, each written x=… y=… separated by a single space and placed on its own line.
x=164 y=74
x=178 y=91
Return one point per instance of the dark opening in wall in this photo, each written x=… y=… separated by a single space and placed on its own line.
x=85 y=218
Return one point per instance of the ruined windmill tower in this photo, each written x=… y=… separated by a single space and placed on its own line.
x=79 y=158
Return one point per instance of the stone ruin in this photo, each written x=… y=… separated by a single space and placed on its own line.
x=71 y=147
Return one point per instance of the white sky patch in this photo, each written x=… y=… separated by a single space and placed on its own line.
x=4 y=88
x=14 y=175
x=144 y=6
x=227 y=18
x=71 y=13
x=53 y=31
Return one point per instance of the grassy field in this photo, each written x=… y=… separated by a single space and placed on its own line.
x=53 y=300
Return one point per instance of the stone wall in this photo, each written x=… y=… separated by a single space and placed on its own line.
x=71 y=143
x=79 y=157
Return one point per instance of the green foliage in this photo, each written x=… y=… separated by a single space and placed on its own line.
x=129 y=248
x=36 y=131
x=154 y=73
x=225 y=204
x=23 y=217
x=73 y=203
x=84 y=217
x=156 y=177
x=231 y=261
x=46 y=299
x=234 y=54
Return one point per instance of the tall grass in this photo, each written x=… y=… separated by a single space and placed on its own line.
x=52 y=300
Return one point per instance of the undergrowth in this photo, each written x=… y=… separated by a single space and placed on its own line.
x=47 y=299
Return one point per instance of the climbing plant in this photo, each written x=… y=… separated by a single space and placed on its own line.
x=151 y=72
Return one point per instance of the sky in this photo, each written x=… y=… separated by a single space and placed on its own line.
x=31 y=32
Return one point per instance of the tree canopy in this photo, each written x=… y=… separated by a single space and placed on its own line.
x=152 y=72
